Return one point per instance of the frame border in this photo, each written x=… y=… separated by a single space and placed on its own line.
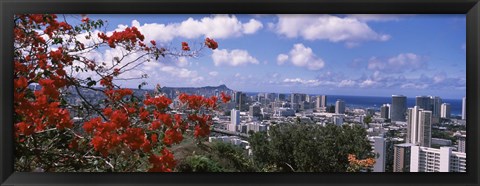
x=9 y=7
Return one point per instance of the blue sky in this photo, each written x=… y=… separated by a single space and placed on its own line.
x=370 y=55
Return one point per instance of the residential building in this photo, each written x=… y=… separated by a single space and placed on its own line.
x=419 y=126
x=425 y=159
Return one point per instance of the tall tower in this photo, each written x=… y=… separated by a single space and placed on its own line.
x=422 y=102
x=385 y=111
x=419 y=126
x=398 y=108
x=339 y=107
x=445 y=111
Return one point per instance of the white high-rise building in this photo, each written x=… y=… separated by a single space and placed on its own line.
x=419 y=126
x=378 y=147
x=464 y=108
x=339 y=107
x=425 y=159
x=234 y=120
x=445 y=110
x=321 y=102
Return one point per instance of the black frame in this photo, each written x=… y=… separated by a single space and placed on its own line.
x=10 y=7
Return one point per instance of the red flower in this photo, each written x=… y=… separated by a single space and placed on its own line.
x=185 y=46
x=134 y=138
x=225 y=98
x=172 y=136
x=164 y=163
x=24 y=128
x=154 y=139
x=20 y=83
x=85 y=19
x=210 y=43
x=153 y=42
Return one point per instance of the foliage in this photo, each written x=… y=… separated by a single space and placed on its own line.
x=121 y=133
x=290 y=147
x=199 y=163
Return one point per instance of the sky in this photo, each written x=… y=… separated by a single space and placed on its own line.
x=365 y=55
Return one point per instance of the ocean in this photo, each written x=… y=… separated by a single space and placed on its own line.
x=377 y=102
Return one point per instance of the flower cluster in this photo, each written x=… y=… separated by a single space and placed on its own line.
x=130 y=36
x=143 y=128
x=185 y=46
x=357 y=164
x=210 y=43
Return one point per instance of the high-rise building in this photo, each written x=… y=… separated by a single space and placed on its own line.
x=282 y=97
x=385 y=111
x=422 y=102
x=255 y=111
x=234 y=120
x=445 y=110
x=339 y=107
x=461 y=143
x=378 y=147
x=401 y=158
x=425 y=159
x=435 y=105
x=240 y=100
x=321 y=102
x=419 y=126
x=398 y=108
x=464 y=108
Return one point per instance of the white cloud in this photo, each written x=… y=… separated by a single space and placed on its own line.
x=252 y=26
x=327 y=27
x=182 y=73
x=397 y=64
x=213 y=73
x=282 y=58
x=368 y=83
x=302 y=56
x=464 y=47
x=237 y=75
x=215 y=26
x=346 y=83
x=182 y=62
x=234 y=57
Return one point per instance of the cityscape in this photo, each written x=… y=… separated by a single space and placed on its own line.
x=423 y=138
x=240 y=93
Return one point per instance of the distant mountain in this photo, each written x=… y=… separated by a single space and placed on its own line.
x=206 y=91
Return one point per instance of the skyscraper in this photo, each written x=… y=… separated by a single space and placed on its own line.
x=398 y=108
x=435 y=105
x=385 y=111
x=240 y=100
x=445 y=111
x=234 y=120
x=419 y=126
x=422 y=102
x=321 y=103
x=339 y=107
x=464 y=108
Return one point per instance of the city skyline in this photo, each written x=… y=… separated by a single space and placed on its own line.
x=371 y=55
